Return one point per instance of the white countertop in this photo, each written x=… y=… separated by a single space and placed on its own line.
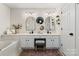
x=36 y=34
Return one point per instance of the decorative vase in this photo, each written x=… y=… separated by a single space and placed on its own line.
x=16 y=31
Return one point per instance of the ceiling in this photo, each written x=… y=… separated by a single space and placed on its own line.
x=34 y=5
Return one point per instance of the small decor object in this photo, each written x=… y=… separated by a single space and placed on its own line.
x=5 y=32
x=40 y=20
x=42 y=28
x=58 y=23
x=13 y=31
x=52 y=19
x=31 y=32
x=61 y=12
x=57 y=16
x=58 y=19
x=8 y=31
x=47 y=32
x=17 y=27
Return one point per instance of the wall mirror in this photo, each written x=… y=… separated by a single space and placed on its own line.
x=39 y=20
x=47 y=24
x=30 y=23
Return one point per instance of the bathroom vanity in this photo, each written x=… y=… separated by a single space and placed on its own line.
x=51 y=41
x=40 y=29
x=27 y=40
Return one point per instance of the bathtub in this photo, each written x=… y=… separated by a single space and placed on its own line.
x=8 y=48
x=4 y=44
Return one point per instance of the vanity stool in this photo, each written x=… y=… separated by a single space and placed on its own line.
x=40 y=43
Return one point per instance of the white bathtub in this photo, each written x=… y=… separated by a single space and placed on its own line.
x=8 y=48
x=4 y=44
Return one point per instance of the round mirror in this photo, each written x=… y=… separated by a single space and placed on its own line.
x=40 y=20
x=47 y=23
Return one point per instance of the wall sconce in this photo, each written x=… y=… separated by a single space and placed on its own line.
x=28 y=13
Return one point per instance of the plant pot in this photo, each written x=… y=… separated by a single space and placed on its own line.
x=16 y=31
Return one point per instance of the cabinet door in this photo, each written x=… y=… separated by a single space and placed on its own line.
x=49 y=43
x=52 y=42
x=27 y=42
x=30 y=43
x=56 y=43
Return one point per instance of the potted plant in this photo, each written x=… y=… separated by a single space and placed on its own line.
x=17 y=27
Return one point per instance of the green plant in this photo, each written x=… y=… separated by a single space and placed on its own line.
x=19 y=26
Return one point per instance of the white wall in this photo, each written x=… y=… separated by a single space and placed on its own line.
x=4 y=18
x=18 y=15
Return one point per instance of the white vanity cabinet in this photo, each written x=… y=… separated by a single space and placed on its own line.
x=27 y=42
x=52 y=42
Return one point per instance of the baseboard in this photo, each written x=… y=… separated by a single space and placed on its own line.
x=62 y=53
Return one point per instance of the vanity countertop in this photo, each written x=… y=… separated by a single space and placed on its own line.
x=36 y=34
